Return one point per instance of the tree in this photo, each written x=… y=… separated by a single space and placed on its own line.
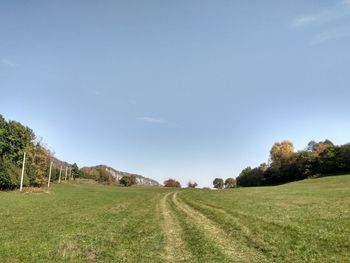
x=320 y=147
x=76 y=173
x=311 y=146
x=172 y=183
x=38 y=170
x=128 y=180
x=99 y=174
x=192 y=184
x=252 y=177
x=17 y=139
x=230 y=183
x=281 y=152
x=218 y=183
x=2 y=134
x=103 y=176
x=306 y=162
x=328 y=160
x=9 y=175
x=343 y=158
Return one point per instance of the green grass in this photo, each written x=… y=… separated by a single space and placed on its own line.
x=76 y=222
x=306 y=221
x=201 y=248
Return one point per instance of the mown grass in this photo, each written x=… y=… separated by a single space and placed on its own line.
x=81 y=223
x=306 y=221
x=201 y=248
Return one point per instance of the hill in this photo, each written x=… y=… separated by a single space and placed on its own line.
x=59 y=163
x=141 y=180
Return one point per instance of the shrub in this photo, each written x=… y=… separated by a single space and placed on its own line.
x=10 y=175
x=128 y=180
x=192 y=184
x=172 y=183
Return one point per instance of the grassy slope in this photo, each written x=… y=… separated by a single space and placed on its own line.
x=307 y=221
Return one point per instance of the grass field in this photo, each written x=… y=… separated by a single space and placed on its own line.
x=306 y=221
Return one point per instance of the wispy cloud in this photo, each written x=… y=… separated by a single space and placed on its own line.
x=329 y=22
x=306 y=20
x=158 y=121
x=329 y=35
x=346 y=3
x=334 y=13
x=152 y=120
x=8 y=63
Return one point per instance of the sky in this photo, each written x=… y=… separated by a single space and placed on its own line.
x=186 y=89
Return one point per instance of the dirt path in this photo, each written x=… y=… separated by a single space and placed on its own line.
x=175 y=248
x=218 y=235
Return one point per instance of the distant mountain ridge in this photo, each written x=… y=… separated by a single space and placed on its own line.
x=59 y=163
x=141 y=180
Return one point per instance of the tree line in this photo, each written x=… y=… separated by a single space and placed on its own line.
x=15 y=139
x=286 y=165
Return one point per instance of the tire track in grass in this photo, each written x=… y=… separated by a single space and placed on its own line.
x=202 y=248
x=247 y=236
x=229 y=247
x=240 y=216
x=255 y=238
x=175 y=248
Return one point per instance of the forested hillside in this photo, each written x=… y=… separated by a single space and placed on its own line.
x=106 y=173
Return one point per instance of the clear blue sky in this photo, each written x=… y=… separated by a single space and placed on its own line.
x=185 y=89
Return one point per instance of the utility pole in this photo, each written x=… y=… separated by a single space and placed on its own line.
x=48 y=183
x=65 y=176
x=59 y=177
x=24 y=161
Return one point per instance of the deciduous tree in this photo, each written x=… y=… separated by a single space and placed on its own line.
x=172 y=183
x=230 y=183
x=218 y=183
x=76 y=173
x=128 y=180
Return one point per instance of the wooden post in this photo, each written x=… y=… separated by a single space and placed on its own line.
x=65 y=176
x=59 y=177
x=48 y=183
x=24 y=161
